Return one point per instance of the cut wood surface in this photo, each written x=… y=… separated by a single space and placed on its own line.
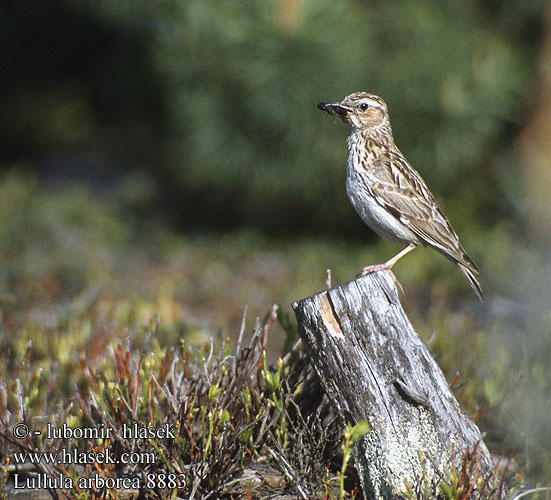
x=374 y=367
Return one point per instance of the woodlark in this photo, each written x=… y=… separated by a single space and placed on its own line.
x=387 y=193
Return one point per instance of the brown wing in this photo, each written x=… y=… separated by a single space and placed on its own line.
x=402 y=191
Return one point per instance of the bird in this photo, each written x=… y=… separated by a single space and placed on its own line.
x=388 y=194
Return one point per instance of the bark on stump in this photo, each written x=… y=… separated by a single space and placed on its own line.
x=374 y=367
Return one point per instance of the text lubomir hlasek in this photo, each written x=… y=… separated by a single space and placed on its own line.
x=132 y=431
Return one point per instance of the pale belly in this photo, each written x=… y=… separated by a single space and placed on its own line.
x=375 y=216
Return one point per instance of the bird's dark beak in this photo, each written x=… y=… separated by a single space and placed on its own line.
x=335 y=109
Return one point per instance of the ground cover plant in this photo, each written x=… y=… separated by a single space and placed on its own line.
x=233 y=420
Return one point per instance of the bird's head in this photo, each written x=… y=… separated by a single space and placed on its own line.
x=361 y=110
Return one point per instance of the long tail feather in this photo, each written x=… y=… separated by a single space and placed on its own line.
x=475 y=285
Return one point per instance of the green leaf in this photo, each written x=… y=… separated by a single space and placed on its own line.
x=214 y=390
x=359 y=431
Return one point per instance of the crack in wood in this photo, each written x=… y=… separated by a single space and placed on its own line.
x=409 y=394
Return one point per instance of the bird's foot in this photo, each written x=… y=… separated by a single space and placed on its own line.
x=377 y=267
x=387 y=266
x=382 y=267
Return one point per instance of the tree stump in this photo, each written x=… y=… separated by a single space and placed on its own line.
x=374 y=367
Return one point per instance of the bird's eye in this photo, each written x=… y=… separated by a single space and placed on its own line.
x=364 y=106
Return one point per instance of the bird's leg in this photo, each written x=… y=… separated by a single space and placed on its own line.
x=387 y=266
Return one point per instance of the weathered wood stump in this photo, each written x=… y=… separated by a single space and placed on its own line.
x=374 y=367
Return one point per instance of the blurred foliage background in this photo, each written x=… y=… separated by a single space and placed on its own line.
x=170 y=155
x=216 y=100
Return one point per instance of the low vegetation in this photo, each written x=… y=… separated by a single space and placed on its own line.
x=105 y=325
